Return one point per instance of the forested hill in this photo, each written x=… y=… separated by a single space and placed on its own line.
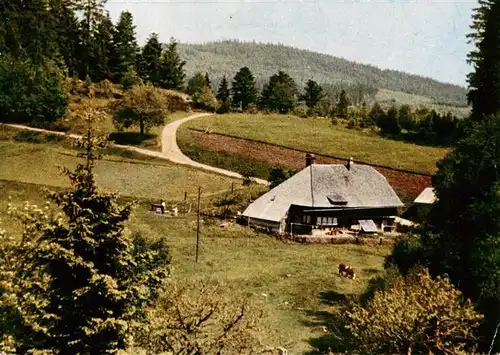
x=264 y=60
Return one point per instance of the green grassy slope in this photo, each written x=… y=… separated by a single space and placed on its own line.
x=319 y=136
x=38 y=164
x=227 y=57
x=294 y=281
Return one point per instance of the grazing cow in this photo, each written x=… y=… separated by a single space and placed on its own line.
x=347 y=271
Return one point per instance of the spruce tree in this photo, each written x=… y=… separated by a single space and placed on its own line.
x=67 y=29
x=223 y=93
x=78 y=281
x=102 y=65
x=342 y=105
x=280 y=93
x=484 y=81
x=92 y=12
x=196 y=84
x=27 y=30
x=126 y=45
x=207 y=81
x=149 y=63
x=172 y=68
x=313 y=93
x=243 y=88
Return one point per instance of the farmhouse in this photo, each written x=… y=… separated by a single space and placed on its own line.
x=327 y=198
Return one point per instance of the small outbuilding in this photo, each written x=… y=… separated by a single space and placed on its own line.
x=327 y=197
x=426 y=197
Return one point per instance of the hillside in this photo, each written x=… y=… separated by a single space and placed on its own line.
x=226 y=57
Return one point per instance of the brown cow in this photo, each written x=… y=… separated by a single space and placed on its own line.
x=347 y=271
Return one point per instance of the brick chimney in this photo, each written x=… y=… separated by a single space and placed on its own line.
x=350 y=163
x=310 y=159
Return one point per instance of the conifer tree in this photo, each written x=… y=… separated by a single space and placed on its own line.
x=149 y=63
x=243 y=88
x=223 y=93
x=207 y=81
x=126 y=45
x=342 y=105
x=102 y=65
x=280 y=93
x=77 y=281
x=196 y=84
x=172 y=68
x=313 y=93
x=92 y=12
x=484 y=81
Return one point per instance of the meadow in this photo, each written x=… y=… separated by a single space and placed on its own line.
x=297 y=283
x=320 y=136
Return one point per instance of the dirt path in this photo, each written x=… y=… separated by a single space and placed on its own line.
x=170 y=149
x=172 y=152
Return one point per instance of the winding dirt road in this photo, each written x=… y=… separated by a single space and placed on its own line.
x=170 y=149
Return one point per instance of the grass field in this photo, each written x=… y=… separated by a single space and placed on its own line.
x=297 y=283
x=148 y=178
x=319 y=136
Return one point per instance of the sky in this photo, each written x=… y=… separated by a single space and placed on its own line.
x=421 y=36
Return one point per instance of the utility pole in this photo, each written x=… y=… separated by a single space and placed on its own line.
x=198 y=225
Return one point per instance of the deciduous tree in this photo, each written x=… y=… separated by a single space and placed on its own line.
x=143 y=106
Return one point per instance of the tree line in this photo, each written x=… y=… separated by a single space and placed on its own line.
x=264 y=59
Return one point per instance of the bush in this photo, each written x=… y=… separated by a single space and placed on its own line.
x=415 y=314
x=31 y=93
x=406 y=253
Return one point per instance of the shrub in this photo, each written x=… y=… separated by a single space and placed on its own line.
x=415 y=314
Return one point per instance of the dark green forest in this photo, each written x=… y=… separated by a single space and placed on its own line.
x=227 y=57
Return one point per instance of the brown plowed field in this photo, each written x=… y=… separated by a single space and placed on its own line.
x=407 y=184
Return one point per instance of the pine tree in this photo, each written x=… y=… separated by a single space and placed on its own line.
x=172 y=68
x=92 y=12
x=243 y=88
x=78 y=282
x=342 y=105
x=196 y=84
x=223 y=93
x=67 y=29
x=126 y=45
x=27 y=30
x=313 y=93
x=149 y=63
x=102 y=66
x=484 y=82
x=207 y=81
x=280 y=93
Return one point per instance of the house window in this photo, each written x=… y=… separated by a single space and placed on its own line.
x=318 y=221
x=306 y=219
x=324 y=220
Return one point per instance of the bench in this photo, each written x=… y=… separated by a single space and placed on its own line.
x=157 y=207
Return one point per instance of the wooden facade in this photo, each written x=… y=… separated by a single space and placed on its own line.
x=304 y=220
